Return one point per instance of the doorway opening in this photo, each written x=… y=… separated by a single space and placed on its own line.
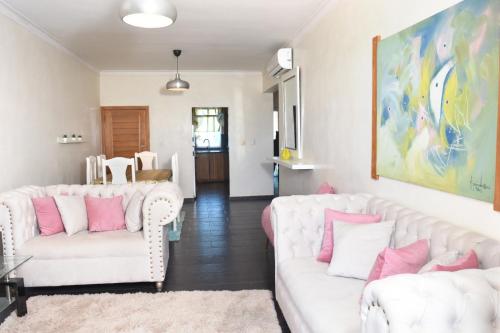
x=276 y=140
x=211 y=146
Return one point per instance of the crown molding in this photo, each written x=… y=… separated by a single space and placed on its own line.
x=313 y=21
x=16 y=16
x=187 y=72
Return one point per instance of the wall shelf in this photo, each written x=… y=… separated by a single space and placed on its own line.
x=293 y=164
x=69 y=141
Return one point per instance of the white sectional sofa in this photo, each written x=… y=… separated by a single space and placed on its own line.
x=441 y=302
x=90 y=258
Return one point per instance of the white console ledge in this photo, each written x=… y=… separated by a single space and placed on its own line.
x=293 y=164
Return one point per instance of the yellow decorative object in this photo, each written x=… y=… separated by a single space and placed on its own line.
x=285 y=154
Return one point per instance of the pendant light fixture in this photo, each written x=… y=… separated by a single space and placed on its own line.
x=148 y=13
x=177 y=84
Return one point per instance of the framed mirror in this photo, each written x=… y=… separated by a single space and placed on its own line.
x=292 y=111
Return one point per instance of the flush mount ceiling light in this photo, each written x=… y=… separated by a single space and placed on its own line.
x=148 y=13
x=177 y=84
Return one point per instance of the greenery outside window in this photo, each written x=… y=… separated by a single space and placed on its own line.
x=209 y=127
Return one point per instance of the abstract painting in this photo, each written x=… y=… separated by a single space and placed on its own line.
x=437 y=101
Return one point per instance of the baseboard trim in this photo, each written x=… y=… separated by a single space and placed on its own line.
x=252 y=198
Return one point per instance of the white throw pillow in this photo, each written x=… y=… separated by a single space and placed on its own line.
x=357 y=247
x=445 y=259
x=73 y=213
x=133 y=214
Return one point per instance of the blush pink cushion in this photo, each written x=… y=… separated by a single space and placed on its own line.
x=405 y=260
x=105 y=214
x=325 y=188
x=326 y=252
x=48 y=216
x=266 y=223
x=468 y=261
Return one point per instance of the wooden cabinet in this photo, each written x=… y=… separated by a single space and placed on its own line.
x=212 y=167
x=203 y=168
x=217 y=167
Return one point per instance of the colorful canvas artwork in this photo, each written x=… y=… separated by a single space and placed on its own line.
x=437 y=101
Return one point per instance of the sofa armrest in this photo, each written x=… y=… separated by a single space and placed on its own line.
x=298 y=221
x=161 y=206
x=445 y=302
x=17 y=217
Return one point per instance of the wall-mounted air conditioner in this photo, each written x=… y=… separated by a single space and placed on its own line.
x=281 y=62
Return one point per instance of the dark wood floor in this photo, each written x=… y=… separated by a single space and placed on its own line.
x=222 y=247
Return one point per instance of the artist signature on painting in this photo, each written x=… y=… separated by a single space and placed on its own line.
x=478 y=186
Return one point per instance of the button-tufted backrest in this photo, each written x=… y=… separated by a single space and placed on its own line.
x=299 y=231
x=103 y=191
x=412 y=226
x=298 y=223
x=17 y=215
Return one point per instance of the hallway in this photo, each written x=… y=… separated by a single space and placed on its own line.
x=222 y=245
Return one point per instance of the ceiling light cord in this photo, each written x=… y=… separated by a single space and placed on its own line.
x=177 y=84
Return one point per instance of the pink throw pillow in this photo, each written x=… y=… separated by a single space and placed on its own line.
x=48 y=216
x=105 y=214
x=266 y=223
x=405 y=260
x=468 y=261
x=325 y=188
x=326 y=252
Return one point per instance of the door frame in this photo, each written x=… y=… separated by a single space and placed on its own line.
x=125 y=108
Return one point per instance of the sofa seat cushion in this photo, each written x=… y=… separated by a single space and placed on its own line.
x=325 y=303
x=84 y=244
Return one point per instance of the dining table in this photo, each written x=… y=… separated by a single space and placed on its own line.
x=145 y=176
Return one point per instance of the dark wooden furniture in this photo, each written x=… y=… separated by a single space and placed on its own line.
x=212 y=167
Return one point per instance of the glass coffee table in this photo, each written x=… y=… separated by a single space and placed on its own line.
x=12 y=295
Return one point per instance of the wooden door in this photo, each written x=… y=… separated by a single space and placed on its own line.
x=125 y=130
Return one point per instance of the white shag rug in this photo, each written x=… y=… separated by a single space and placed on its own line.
x=244 y=311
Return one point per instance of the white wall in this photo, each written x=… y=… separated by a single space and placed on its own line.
x=250 y=121
x=335 y=56
x=44 y=92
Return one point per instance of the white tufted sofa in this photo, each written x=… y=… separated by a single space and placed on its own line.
x=90 y=258
x=440 y=302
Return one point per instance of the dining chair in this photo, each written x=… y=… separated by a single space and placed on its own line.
x=118 y=167
x=99 y=159
x=91 y=163
x=175 y=168
x=149 y=160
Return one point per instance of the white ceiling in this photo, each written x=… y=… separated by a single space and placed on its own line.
x=213 y=34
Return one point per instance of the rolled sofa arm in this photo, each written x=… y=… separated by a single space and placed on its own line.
x=17 y=217
x=298 y=221
x=460 y=302
x=161 y=206
x=163 y=203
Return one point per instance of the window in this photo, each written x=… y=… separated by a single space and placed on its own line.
x=208 y=125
